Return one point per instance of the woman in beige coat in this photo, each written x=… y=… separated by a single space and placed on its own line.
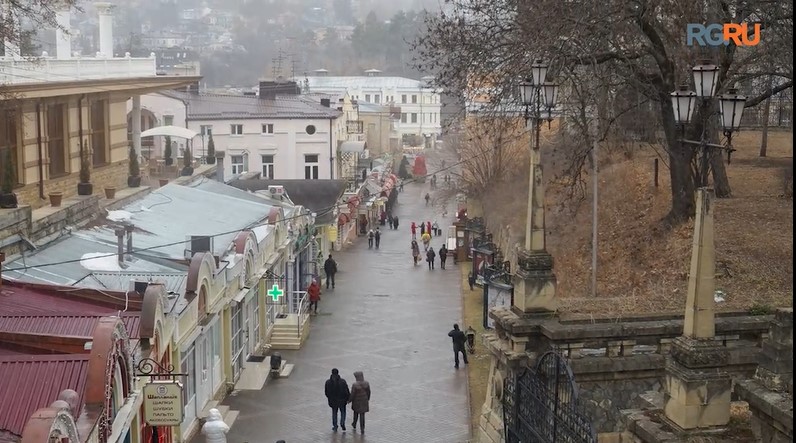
x=360 y=400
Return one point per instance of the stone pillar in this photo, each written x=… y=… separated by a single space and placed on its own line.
x=63 y=40
x=700 y=311
x=220 y=165
x=135 y=120
x=105 y=28
x=698 y=389
x=776 y=361
x=535 y=221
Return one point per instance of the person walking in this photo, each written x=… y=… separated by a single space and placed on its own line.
x=377 y=237
x=360 y=400
x=443 y=256
x=430 y=257
x=436 y=229
x=428 y=228
x=415 y=252
x=426 y=239
x=413 y=228
x=370 y=239
x=314 y=293
x=428 y=198
x=337 y=394
x=390 y=221
x=459 y=341
x=395 y=222
x=330 y=268
x=422 y=229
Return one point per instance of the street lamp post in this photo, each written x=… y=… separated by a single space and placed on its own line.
x=538 y=99
x=699 y=323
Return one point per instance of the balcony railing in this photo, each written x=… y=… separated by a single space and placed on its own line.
x=48 y=69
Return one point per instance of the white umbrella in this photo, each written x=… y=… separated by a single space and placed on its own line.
x=171 y=131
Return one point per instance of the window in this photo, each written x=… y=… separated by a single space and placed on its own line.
x=238 y=163
x=268 y=166
x=99 y=142
x=311 y=166
x=403 y=117
x=206 y=130
x=377 y=98
x=414 y=117
x=403 y=98
x=8 y=143
x=414 y=99
x=56 y=148
x=168 y=120
x=310 y=129
x=188 y=367
x=236 y=315
x=367 y=98
x=268 y=128
x=235 y=129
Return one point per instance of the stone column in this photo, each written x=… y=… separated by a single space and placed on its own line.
x=535 y=221
x=63 y=40
x=698 y=389
x=105 y=28
x=135 y=120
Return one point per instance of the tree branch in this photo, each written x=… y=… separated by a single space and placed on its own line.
x=750 y=103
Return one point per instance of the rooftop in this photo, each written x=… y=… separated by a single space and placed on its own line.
x=21 y=301
x=364 y=82
x=205 y=106
x=63 y=325
x=35 y=381
x=316 y=195
x=50 y=69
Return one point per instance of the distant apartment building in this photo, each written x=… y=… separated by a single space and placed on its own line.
x=177 y=61
x=418 y=100
x=162 y=40
x=276 y=132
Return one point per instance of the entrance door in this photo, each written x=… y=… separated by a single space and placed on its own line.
x=204 y=383
x=253 y=326
x=246 y=322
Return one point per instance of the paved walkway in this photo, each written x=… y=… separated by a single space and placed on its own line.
x=388 y=319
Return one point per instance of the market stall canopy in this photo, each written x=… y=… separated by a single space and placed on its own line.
x=170 y=131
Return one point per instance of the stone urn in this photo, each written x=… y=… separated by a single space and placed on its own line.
x=56 y=198
x=110 y=192
x=163 y=182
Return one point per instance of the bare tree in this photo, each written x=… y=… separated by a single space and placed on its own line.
x=491 y=44
x=20 y=19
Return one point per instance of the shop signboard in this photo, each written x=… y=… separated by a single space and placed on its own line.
x=163 y=403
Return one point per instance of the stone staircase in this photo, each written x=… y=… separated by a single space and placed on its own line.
x=229 y=415
x=287 y=334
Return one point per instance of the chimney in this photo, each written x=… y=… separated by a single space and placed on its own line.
x=270 y=89
x=129 y=231
x=63 y=41
x=220 y=162
x=105 y=28
x=326 y=103
x=119 y=244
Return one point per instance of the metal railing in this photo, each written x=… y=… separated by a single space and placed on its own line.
x=301 y=307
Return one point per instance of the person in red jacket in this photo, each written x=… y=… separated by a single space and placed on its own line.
x=414 y=231
x=314 y=293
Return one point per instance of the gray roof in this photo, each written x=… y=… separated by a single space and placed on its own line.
x=203 y=106
x=323 y=82
x=64 y=256
x=120 y=281
x=315 y=195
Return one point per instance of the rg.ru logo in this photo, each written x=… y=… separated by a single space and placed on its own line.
x=722 y=34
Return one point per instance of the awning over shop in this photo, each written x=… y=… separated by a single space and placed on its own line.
x=342 y=219
x=170 y=131
x=353 y=146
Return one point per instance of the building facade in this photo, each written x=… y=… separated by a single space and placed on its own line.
x=277 y=133
x=60 y=115
x=419 y=101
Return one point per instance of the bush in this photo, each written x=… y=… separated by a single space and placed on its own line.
x=134 y=168
x=211 y=151
x=187 y=159
x=85 y=167
x=167 y=151
x=9 y=178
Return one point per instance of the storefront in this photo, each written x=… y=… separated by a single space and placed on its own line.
x=237 y=343
x=201 y=361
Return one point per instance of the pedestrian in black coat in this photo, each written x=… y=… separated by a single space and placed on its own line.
x=430 y=257
x=443 y=256
x=337 y=394
x=459 y=340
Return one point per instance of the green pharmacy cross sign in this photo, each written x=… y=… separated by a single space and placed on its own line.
x=275 y=293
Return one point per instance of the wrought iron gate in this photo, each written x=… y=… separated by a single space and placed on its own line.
x=540 y=405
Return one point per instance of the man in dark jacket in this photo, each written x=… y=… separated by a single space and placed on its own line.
x=338 y=395
x=330 y=268
x=459 y=341
x=443 y=256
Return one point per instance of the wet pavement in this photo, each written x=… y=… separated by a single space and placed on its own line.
x=389 y=319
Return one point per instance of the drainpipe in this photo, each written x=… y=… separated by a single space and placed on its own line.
x=120 y=245
x=331 y=157
x=41 y=150
x=80 y=126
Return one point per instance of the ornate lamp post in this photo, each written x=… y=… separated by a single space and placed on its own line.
x=538 y=99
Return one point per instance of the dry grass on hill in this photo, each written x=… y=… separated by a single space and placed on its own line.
x=642 y=266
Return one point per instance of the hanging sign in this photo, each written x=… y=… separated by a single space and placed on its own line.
x=163 y=403
x=331 y=233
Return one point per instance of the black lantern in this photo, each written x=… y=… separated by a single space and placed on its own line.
x=705 y=77
x=731 y=106
x=683 y=104
x=527 y=92
x=550 y=91
x=539 y=72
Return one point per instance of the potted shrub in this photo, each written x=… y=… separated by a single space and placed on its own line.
x=167 y=154
x=134 y=173
x=84 y=186
x=163 y=182
x=211 y=151
x=110 y=192
x=55 y=198
x=187 y=161
x=8 y=178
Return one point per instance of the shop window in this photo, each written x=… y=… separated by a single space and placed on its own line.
x=99 y=132
x=56 y=146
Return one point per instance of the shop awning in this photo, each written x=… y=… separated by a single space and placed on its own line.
x=342 y=219
x=353 y=146
x=170 y=131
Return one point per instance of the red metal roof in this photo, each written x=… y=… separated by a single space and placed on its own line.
x=28 y=383
x=62 y=325
x=24 y=301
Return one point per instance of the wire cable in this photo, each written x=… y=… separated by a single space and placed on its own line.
x=323 y=211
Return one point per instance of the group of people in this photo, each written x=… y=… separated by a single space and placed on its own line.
x=445 y=179
x=374 y=237
x=339 y=396
x=431 y=256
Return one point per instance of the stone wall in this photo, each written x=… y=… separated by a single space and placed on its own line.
x=111 y=175
x=604 y=400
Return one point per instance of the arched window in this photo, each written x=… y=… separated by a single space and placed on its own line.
x=202 y=302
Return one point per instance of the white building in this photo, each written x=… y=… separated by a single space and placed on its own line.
x=419 y=102
x=278 y=133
